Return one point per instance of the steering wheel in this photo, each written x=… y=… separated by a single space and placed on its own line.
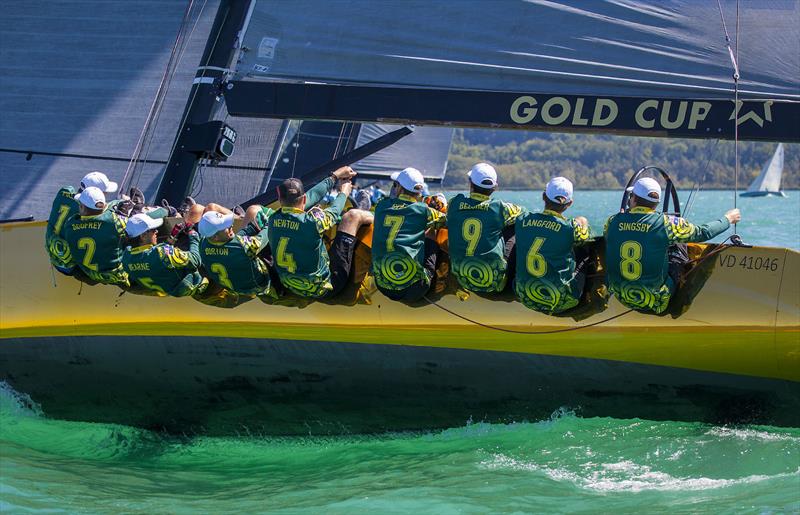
x=670 y=193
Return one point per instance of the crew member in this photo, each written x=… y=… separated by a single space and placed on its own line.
x=403 y=242
x=645 y=251
x=296 y=232
x=548 y=279
x=480 y=233
x=96 y=238
x=233 y=260
x=161 y=267
x=64 y=208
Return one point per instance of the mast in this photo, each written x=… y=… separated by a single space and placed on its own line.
x=223 y=42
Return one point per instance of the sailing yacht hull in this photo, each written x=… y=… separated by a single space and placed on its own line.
x=89 y=353
x=762 y=194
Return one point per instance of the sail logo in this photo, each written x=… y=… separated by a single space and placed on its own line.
x=752 y=115
x=602 y=112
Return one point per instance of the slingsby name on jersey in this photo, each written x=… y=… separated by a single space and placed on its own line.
x=634 y=226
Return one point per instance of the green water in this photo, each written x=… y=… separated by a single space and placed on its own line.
x=564 y=464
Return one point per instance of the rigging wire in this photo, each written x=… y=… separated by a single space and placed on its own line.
x=203 y=66
x=710 y=153
x=156 y=99
x=734 y=55
x=184 y=46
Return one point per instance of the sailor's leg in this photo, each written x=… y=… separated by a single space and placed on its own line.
x=353 y=220
x=341 y=261
x=194 y=213
x=678 y=259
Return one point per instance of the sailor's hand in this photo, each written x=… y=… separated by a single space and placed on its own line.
x=733 y=216
x=344 y=173
x=582 y=221
x=346 y=188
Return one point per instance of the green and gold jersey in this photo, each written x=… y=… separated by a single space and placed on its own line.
x=475 y=226
x=235 y=264
x=64 y=208
x=636 y=254
x=301 y=258
x=546 y=261
x=398 y=241
x=96 y=243
x=165 y=269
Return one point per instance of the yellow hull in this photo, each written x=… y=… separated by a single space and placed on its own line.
x=744 y=322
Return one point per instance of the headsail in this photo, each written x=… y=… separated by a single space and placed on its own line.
x=769 y=180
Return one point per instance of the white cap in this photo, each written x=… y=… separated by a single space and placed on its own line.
x=410 y=179
x=559 y=190
x=648 y=189
x=140 y=223
x=92 y=197
x=213 y=222
x=483 y=175
x=98 y=180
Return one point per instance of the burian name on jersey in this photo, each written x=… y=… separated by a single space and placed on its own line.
x=544 y=224
x=139 y=267
x=281 y=223
x=481 y=206
x=634 y=226
x=216 y=251
x=86 y=225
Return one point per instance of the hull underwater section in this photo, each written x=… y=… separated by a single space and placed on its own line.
x=94 y=353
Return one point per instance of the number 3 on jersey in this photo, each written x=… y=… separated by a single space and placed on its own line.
x=630 y=266
x=222 y=273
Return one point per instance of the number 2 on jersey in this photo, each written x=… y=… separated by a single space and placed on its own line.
x=89 y=246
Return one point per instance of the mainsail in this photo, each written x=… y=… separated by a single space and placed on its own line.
x=769 y=180
x=608 y=65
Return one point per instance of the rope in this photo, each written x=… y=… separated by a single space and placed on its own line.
x=184 y=46
x=156 y=99
x=196 y=88
x=697 y=262
x=514 y=331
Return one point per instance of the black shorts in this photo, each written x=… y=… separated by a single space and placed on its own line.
x=418 y=289
x=341 y=261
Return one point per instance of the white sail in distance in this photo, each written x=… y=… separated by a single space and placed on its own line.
x=769 y=180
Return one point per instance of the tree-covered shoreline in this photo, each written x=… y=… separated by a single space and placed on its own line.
x=526 y=160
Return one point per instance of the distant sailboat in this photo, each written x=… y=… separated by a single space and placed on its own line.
x=768 y=181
